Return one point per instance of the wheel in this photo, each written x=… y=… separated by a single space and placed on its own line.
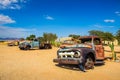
x=46 y=47
x=81 y=67
x=89 y=63
x=27 y=47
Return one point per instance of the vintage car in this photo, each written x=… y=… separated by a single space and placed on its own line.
x=13 y=43
x=27 y=45
x=89 y=52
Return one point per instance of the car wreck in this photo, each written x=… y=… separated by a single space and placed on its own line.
x=13 y=43
x=89 y=52
x=35 y=44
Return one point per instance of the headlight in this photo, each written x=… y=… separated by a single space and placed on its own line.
x=77 y=54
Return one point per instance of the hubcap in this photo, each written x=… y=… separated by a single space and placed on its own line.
x=89 y=64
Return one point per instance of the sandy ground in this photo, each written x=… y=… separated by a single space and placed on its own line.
x=16 y=64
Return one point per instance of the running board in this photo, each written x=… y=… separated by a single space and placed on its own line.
x=99 y=62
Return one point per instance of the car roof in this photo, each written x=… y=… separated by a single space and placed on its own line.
x=82 y=37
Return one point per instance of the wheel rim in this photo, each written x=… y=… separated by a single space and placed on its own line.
x=89 y=63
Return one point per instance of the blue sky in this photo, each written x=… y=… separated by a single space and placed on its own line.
x=20 y=18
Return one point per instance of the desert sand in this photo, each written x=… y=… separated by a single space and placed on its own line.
x=17 y=64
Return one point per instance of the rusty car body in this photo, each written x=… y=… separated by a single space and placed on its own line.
x=89 y=52
x=68 y=43
x=13 y=43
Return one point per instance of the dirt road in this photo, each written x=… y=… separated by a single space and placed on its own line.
x=16 y=64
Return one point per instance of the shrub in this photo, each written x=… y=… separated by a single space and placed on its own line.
x=56 y=44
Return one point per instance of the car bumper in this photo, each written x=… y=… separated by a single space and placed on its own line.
x=21 y=47
x=67 y=61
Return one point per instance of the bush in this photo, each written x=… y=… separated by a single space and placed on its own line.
x=56 y=44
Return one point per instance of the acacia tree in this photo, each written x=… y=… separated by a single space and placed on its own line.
x=41 y=39
x=74 y=36
x=49 y=37
x=106 y=36
x=96 y=33
x=31 y=37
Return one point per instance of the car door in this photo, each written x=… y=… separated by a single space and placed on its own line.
x=99 y=49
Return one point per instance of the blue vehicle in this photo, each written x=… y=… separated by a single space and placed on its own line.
x=34 y=45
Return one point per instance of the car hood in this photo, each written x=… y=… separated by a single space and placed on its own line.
x=74 y=47
x=78 y=46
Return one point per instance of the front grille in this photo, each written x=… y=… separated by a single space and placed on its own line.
x=69 y=54
x=66 y=56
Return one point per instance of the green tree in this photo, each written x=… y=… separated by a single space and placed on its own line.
x=106 y=36
x=49 y=37
x=74 y=36
x=96 y=33
x=31 y=37
x=41 y=39
x=118 y=36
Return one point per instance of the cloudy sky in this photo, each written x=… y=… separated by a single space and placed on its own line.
x=20 y=18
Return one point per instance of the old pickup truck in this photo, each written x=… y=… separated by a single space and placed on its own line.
x=35 y=44
x=90 y=51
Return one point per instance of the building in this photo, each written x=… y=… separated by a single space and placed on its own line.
x=62 y=39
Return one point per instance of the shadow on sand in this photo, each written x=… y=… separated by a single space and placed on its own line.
x=70 y=67
x=74 y=67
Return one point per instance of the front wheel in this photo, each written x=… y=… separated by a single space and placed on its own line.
x=89 y=63
x=27 y=47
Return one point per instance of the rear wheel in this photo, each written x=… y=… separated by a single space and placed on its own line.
x=46 y=46
x=21 y=48
x=89 y=63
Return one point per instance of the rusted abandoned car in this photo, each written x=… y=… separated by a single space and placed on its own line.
x=35 y=44
x=89 y=52
x=13 y=43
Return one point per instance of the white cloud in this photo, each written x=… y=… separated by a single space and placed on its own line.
x=49 y=18
x=15 y=32
x=109 y=20
x=5 y=19
x=118 y=13
x=11 y=4
x=97 y=26
x=101 y=26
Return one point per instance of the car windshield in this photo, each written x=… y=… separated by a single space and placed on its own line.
x=24 y=43
x=86 y=40
x=96 y=41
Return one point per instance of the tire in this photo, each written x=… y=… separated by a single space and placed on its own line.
x=27 y=47
x=89 y=63
x=46 y=47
